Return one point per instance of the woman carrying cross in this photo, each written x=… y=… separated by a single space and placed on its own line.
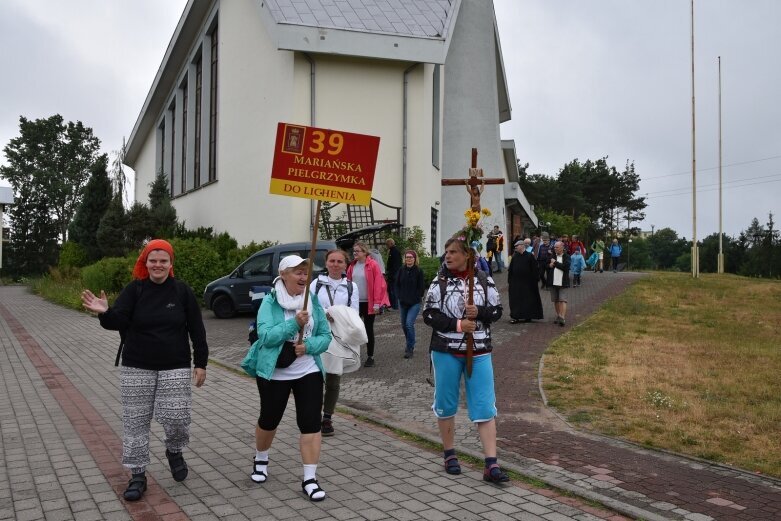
x=455 y=316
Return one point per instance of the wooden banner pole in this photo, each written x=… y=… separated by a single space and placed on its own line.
x=312 y=251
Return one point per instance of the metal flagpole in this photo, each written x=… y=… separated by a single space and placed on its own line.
x=695 y=251
x=720 y=262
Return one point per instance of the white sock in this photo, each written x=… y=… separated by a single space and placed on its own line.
x=260 y=456
x=310 y=471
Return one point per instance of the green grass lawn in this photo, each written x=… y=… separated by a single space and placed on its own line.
x=692 y=366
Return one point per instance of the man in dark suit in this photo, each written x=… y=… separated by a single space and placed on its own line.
x=393 y=265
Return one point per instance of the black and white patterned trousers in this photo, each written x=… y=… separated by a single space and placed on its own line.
x=166 y=395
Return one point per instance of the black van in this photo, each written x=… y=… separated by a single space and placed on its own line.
x=231 y=294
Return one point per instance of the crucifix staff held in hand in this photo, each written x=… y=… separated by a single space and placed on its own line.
x=475 y=185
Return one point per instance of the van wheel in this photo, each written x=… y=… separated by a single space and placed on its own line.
x=222 y=306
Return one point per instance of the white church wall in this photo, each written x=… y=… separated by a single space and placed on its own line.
x=471 y=115
x=254 y=95
x=145 y=168
x=423 y=179
x=260 y=86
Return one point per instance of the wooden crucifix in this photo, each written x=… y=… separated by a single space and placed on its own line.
x=475 y=184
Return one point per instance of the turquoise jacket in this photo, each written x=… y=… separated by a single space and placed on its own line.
x=273 y=330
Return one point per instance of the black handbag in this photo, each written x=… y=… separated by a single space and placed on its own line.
x=287 y=356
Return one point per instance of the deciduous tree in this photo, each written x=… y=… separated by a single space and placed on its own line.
x=49 y=164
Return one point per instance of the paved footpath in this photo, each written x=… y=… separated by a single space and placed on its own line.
x=60 y=445
x=635 y=481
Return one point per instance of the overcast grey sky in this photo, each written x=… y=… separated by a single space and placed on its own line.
x=587 y=79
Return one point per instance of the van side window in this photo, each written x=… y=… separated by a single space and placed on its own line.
x=260 y=265
x=319 y=263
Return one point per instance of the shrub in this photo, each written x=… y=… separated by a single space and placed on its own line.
x=110 y=274
x=73 y=255
x=197 y=262
x=429 y=266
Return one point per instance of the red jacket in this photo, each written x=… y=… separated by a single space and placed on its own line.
x=573 y=245
x=376 y=287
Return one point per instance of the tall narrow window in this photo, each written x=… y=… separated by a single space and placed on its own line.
x=184 y=138
x=173 y=146
x=162 y=147
x=213 y=109
x=435 y=119
x=197 y=158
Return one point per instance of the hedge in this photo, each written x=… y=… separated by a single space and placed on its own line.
x=110 y=274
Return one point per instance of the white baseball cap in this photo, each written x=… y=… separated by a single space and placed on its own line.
x=291 y=261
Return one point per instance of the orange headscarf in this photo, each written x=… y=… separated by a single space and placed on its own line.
x=139 y=271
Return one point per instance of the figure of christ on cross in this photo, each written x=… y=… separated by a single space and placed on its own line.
x=475 y=185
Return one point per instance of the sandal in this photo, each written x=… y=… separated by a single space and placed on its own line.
x=135 y=487
x=494 y=474
x=313 y=493
x=177 y=464
x=452 y=466
x=259 y=476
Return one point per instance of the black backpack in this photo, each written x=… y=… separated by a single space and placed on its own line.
x=181 y=293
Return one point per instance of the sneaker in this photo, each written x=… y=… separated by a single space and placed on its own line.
x=327 y=428
x=556 y=320
x=408 y=354
x=561 y=322
x=369 y=362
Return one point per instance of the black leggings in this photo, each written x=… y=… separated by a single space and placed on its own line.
x=368 y=321
x=308 y=395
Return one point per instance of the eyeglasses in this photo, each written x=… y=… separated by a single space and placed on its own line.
x=357 y=251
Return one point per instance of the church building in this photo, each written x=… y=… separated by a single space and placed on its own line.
x=426 y=76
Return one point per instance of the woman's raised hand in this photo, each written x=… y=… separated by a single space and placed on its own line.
x=93 y=303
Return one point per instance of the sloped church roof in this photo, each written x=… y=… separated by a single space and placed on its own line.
x=423 y=18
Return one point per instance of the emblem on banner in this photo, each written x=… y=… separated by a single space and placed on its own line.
x=294 y=139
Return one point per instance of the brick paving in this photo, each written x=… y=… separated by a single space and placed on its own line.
x=636 y=481
x=60 y=428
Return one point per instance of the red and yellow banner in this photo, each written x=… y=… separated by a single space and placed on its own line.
x=318 y=163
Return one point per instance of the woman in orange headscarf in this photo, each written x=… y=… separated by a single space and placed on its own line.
x=155 y=314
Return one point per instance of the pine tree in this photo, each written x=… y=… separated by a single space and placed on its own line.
x=163 y=214
x=111 y=234
x=97 y=197
x=140 y=225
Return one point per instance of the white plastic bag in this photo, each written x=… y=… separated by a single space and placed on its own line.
x=344 y=351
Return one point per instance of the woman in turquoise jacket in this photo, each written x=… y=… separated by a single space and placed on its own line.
x=281 y=364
